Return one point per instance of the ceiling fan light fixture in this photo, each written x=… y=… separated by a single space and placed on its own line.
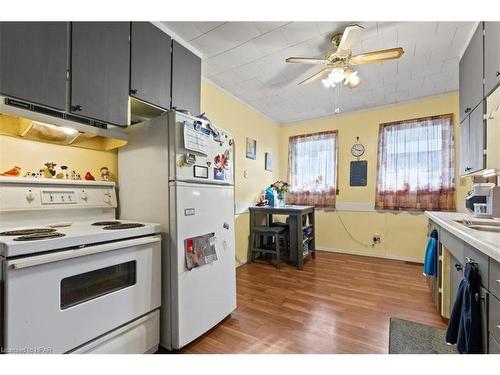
x=352 y=80
x=337 y=75
x=327 y=83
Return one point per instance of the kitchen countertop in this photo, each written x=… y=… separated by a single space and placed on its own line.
x=486 y=242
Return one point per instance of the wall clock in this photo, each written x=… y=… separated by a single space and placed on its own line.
x=357 y=149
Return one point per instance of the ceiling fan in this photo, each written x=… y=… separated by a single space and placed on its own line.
x=339 y=60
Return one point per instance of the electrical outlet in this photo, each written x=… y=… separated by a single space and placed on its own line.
x=245 y=174
x=376 y=238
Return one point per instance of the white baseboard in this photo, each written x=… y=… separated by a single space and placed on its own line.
x=365 y=254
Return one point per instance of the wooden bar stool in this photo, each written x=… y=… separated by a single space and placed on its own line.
x=258 y=236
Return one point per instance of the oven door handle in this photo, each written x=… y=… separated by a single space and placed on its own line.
x=38 y=260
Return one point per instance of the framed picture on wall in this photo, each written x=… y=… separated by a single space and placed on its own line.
x=251 y=149
x=268 y=162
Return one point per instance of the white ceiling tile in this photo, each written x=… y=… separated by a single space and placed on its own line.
x=265 y=27
x=225 y=37
x=206 y=26
x=270 y=42
x=298 y=32
x=330 y=27
x=248 y=60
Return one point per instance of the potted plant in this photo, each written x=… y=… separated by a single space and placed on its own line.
x=281 y=187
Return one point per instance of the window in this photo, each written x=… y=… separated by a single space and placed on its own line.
x=416 y=165
x=313 y=169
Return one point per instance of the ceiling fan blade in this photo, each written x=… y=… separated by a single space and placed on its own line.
x=306 y=60
x=348 y=37
x=316 y=76
x=376 y=56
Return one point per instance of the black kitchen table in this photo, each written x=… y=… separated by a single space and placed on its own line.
x=301 y=220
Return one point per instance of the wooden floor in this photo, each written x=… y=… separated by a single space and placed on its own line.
x=337 y=304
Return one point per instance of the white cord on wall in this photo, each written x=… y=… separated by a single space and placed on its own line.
x=350 y=235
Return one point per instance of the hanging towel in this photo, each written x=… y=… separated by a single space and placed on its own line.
x=430 y=260
x=464 y=327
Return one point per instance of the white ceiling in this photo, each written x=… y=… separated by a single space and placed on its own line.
x=247 y=59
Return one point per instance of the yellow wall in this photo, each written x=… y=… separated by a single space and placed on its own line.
x=31 y=156
x=403 y=235
x=235 y=117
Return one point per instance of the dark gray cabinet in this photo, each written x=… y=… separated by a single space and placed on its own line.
x=488 y=268
x=471 y=73
x=100 y=62
x=473 y=141
x=491 y=56
x=186 y=79
x=456 y=276
x=150 y=64
x=34 y=62
x=483 y=297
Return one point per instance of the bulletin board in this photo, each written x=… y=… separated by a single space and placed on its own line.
x=358 y=173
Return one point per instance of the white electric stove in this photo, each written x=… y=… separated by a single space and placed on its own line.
x=74 y=279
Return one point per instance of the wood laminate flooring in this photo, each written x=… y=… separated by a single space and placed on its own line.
x=337 y=304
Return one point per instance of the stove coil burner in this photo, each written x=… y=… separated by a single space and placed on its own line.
x=110 y=222
x=25 y=232
x=123 y=226
x=39 y=236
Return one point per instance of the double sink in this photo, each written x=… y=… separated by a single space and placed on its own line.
x=485 y=225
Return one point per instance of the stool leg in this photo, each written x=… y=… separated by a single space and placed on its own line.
x=278 y=251
x=251 y=247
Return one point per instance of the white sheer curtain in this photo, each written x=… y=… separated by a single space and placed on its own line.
x=313 y=169
x=416 y=168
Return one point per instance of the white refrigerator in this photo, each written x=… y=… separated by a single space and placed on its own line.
x=178 y=171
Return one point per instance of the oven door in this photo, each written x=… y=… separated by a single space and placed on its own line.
x=58 y=301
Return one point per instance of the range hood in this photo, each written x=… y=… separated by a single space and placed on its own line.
x=27 y=121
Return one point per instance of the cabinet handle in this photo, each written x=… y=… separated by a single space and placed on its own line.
x=497 y=281
x=467 y=110
x=478 y=298
x=467 y=169
x=133 y=91
x=498 y=74
x=76 y=108
x=459 y=267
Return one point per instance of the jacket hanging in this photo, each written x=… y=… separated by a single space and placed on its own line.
x=464 y=327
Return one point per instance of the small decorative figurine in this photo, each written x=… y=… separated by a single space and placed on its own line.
x=62 y=173
x=38 y=174
x=49 y=171
x=14 y=172
x=89 y=177
x=75 y=175
x=104 y=174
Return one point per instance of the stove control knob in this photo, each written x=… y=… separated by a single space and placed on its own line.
x=107 y=200
x=30 y=197
x=84 y=196
x=107 y=193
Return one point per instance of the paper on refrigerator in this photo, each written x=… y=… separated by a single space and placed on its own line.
x=196 y=138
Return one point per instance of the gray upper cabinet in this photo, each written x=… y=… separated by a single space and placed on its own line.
x=476 y=158
x=464 y=147
x=471 y=73
x=34 y=62
x=186 y=79
x=150 y=65
x=473 y=141
x=491 y=56
x=100 y=68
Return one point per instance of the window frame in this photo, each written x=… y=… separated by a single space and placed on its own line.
x=382 y=126
x=335 y=134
